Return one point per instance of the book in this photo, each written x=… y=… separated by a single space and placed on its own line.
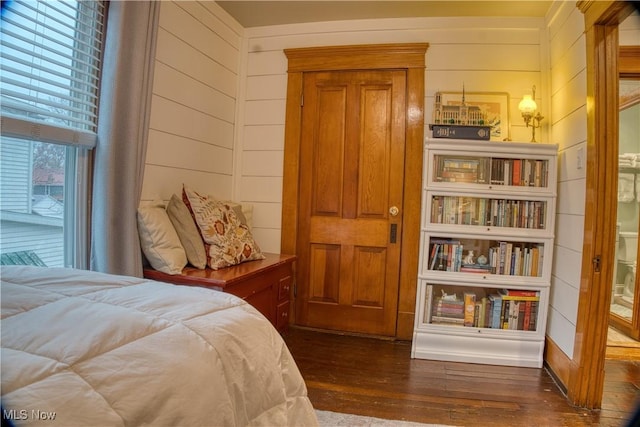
x=441 y=252
x=506 y=171
x=475 y=268
x=533 y=320
x=519 y=295
x=540 y=259
x=512 y=315
x=519 y=298
x=517 y=262
x=477 y=314
x=502 y=251
x=520 y=292
x=521 y=315
x=537 y=174
x=527 y=316
x=508 y=259
x=437 y=216
x=469 y=308
x=504 y=315
x=482 y=309
x=447 y=320
x=496 y=303
x=517 y=165
x=457 y=261
x=429 y=303
x=434 y=255
x=527 y=173
x=481 y=133
x=448 y=308
x=487 y=312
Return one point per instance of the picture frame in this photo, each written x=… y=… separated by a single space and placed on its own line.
x=629 y=93
x=495 y=104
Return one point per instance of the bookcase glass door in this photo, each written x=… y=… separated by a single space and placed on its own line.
x=482 y=307
x=483 y=256
x=502 y=171
x=527 y=214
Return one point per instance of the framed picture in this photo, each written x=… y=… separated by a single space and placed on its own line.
x=629 y=93
x=494 y=104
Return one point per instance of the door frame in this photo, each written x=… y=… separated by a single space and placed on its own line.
x=628 y=68
x=585 y=373
x=406 y=56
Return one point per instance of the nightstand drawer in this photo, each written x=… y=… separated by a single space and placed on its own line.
x=284 y=288
x=282 y=316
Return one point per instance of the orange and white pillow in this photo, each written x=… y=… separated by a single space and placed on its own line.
x=228 y=241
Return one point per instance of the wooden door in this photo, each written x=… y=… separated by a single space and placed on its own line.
x=351 y=188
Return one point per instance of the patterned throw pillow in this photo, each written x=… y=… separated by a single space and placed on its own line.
x=227 y=241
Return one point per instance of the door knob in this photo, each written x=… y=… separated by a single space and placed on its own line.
x=393 y=210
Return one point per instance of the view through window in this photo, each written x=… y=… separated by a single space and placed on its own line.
x=50 y=56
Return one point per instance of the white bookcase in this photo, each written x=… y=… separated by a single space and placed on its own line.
x=496 y=200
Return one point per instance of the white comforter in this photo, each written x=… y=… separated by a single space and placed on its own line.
x=90 y=349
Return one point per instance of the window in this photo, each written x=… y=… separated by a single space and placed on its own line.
x=50 y=56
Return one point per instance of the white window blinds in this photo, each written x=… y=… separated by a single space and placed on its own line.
x=49 y=69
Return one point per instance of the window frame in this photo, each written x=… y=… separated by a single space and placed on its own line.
x=79 y=145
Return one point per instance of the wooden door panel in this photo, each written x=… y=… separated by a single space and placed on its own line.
x=353 y=231
x=374 y=151
x=351 y=153
x=369 y=281
x=328 y=149
x=324 y=274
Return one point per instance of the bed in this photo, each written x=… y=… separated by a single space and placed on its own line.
x=86 y=348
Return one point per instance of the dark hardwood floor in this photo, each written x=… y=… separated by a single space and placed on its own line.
x=378 y=378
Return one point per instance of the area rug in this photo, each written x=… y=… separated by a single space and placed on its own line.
x=335 y=419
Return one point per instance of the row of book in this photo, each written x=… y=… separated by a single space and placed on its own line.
x=500 y=171
x=519 y=172
x=529 y=214
x=505 y=309
x=462 y=169
x=505 y=258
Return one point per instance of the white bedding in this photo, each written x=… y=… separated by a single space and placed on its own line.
x=92 y=349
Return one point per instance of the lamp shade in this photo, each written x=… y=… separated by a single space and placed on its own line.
x=527 y=105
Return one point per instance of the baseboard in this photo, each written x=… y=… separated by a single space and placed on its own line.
x=622 y=352
x=557 y=363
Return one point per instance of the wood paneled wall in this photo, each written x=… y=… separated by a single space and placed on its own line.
x=567 y=117
x=193 y=111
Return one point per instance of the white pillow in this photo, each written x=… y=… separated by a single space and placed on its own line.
x=159 y=240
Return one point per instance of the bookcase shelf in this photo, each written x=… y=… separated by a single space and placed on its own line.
x=488 y=211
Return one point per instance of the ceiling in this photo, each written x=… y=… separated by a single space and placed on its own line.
x=264 y=13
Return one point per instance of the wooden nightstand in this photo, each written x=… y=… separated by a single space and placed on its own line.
x=265 y=284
